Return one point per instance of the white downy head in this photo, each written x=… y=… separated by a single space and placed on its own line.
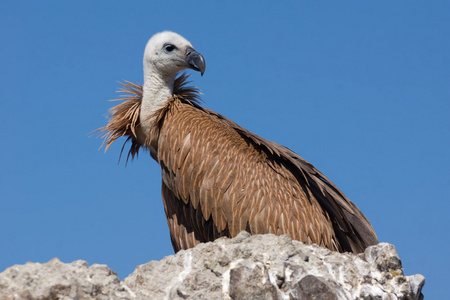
x=165 y=55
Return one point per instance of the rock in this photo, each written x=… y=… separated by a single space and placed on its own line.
x=246 y=267
x=57 y=280
x=251 y=283
x=312 y=287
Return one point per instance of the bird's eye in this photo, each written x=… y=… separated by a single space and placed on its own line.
x=169 y=47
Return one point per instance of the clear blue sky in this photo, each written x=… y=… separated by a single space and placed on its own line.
x=359 y=89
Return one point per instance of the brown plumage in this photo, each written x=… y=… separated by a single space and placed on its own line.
x=219 y=179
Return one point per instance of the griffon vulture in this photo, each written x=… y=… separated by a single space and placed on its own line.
x=218 y=178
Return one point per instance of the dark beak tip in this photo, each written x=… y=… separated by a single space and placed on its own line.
x=202 y=67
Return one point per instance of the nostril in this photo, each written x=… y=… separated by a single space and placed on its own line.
x=189 y=50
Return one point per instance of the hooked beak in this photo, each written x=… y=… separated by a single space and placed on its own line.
x=195 y=60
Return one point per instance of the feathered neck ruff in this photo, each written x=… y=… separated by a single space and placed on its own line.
x=124 y=118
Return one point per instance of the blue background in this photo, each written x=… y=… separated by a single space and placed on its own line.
x=359 y=89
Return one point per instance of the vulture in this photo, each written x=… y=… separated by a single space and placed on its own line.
x=219 y=179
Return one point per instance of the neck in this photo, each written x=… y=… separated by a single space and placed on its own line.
x=156 y=90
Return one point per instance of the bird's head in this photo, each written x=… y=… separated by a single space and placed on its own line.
x=168 y=53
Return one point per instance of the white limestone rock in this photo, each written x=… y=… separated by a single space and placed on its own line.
x=246 y=267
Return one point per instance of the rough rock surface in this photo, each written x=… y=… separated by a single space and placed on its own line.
x=246 y=267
